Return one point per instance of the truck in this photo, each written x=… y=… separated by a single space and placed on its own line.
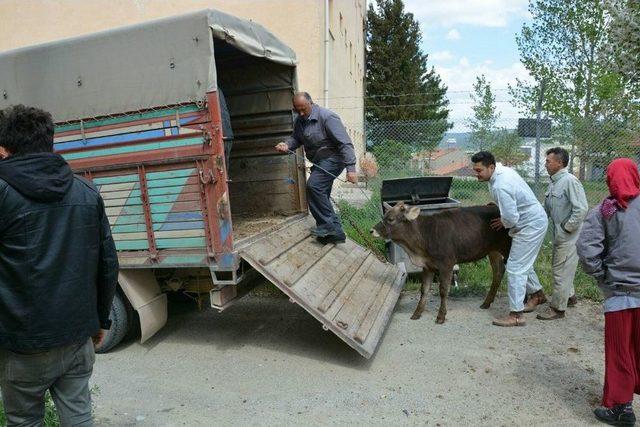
x=138 y=111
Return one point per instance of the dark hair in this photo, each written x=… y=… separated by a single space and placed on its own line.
x=560 y=152
x=305 y=95
x=26 y=130
x=485 y=157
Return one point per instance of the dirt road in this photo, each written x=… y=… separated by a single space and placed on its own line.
x=267 y=362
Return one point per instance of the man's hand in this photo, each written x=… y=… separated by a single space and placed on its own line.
x=496 y=224
x=352 y=177
x=99 y=338
x=282 y=147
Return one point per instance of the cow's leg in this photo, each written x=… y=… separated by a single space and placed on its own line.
x=497 y=266
x=446 y=275
x=425 y=291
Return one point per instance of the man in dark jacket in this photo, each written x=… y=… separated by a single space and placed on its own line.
x=58 y=274
x=328 y=146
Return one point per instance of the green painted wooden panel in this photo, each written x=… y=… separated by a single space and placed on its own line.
x=126 y=219
x=142 y=227
x=155 y=200
x=178 y=173
x=163 y=191
x=115 y=179
x=164 y=183
x=191 y=242
x=128 y=118
x=150 y=146
x=132 y=245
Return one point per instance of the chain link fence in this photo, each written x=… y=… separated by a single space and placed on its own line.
x=425 y=148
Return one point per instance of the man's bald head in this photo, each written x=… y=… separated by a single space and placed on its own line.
x=302 y=103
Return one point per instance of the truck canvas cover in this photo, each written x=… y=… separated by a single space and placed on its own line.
x=164 y=62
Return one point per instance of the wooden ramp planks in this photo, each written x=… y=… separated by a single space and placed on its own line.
x=343 y=286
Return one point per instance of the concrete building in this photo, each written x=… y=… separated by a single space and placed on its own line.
x=327 y=36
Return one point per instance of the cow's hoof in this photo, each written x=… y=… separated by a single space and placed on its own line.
x=485 y=305
x=415 y=316
x=440 y=320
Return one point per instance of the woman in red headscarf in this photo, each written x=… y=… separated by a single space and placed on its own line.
x=609 y=250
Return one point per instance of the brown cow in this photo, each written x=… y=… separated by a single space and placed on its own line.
x=437 y=242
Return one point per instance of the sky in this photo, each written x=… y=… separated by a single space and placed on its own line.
x=466 y=38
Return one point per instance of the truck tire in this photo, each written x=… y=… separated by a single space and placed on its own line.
x=120 y=317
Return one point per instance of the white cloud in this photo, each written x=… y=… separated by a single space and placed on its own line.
x=441 y=56
x=460 y=78
x=453 y=34
x=486 y=13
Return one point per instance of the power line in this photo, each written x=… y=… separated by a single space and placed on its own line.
x=400 y=95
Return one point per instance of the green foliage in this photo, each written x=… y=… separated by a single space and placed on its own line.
x=503 y=143
x=484 y=117
x=50 y=415
x=585 y=51
x=622 y=53
x=400 y=85
x=391 y=155
x=507 y=149
x=561 y=46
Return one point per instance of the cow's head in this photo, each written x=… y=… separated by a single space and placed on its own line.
x=395 y=220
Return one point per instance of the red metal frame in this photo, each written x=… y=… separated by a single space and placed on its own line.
x=144 y=196
x=217 y=192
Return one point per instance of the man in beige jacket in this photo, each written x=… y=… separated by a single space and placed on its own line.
x=566 y=205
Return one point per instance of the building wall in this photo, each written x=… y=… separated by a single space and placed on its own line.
x=299 y=23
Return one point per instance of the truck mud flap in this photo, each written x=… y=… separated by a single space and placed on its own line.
x=345 y=286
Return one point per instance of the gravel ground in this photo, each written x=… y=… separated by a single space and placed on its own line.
x=266 y=361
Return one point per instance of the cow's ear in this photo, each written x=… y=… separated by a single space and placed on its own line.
x=412 y=213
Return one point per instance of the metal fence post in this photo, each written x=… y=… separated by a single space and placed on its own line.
x=537 y=160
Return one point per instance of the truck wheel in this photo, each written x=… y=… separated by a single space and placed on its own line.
x=119 y=316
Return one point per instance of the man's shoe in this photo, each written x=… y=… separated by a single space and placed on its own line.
x=550 y=314
x=322 y=231
x=512 y=319
x=332 y=239
x=619 y=415
x=572 y=301
x=535 y=299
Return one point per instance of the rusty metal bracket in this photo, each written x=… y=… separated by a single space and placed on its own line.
x=206 y=138
x=207 y=177
x=205 y=211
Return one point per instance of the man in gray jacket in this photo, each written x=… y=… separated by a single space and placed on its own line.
x=566 y=206
x=328 y=146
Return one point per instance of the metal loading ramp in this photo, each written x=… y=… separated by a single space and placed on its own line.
x=345 y=286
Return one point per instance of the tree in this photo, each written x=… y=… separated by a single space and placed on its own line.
x=505 y=144
x=484 y=114
x=400 y=86
x=564 y=46
x=507 y=147
x=623 y=49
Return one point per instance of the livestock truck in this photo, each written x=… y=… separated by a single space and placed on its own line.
x=138 y=112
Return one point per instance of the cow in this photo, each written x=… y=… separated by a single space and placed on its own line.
x=438 y=241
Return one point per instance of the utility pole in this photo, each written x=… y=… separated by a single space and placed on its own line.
x=538 y=131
